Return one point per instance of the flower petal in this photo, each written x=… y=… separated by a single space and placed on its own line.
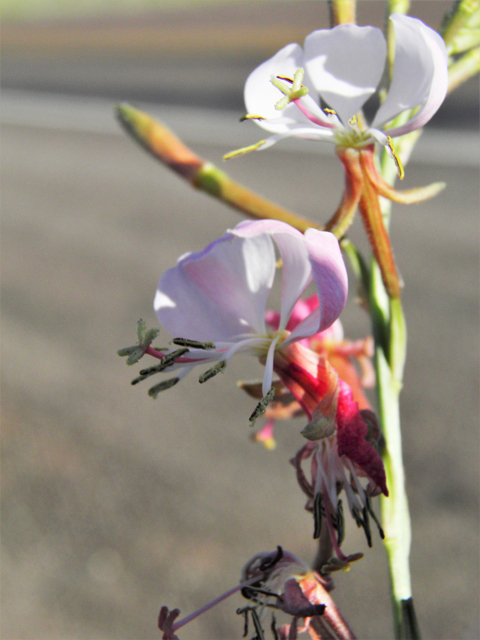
x=345 y=65
x=420 y=75
x=297 y=270
x=352 y=438
x=261 y=96
x=330 y=276
x=220 y=292
x=307 y=132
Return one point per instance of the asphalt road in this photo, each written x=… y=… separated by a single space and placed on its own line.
x=113 y=504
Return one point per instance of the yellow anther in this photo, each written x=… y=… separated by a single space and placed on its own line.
x=396 y=159
x=353 y=121
x=240 y=152
x=251 y=116
x=285 y=78
x=330 y=112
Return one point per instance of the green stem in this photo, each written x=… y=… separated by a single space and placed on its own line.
x=462 y=13
x=394 y=6
x=342 y=11
x=463 y=69
x=390 y=348
x=164 y=145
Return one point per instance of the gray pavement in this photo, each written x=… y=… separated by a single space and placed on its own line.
x=114 y=504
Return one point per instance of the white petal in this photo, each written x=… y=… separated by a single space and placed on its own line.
x=309 y=132
x=268 y=375
x=220 y=292
x=345 y=65
x=297 y=270
x=261 y=96
x=420 y=74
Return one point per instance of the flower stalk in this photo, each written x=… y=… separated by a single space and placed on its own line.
x=463 y=69
x=166 y=147
x=342 y=11
x=460 y=26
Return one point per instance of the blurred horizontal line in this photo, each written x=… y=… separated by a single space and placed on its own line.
x=204 y=126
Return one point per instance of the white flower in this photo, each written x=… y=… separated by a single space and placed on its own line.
x=344 y=67
x=219 y=295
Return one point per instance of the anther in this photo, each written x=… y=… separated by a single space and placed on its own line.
x=193 y=344
x=239 y=152
x=268 y=563
x=162 y=386
x=366 y=527
x=211 y=373
x=251 y=116
x=340 y=524
x=396 y=158
x=375 y=519
x=262 y=406
x=317 y=516
x=170 y=358
x=273 y=628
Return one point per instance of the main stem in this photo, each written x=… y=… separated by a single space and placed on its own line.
x=390 y=349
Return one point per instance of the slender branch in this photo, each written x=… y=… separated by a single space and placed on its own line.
x=158 y=140
x=342 y=11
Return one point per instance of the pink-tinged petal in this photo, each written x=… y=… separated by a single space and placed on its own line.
x=351 y=438
x=301 y=310
x=297 y=270
x=345 y=65
x=268 y=375
x=220 y=292
x=330 y=276
x=333 y=333
x=420 y=75
x=261 y=96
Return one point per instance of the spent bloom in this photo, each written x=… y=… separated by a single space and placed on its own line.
x=343 y=430
x=317 y=92
x=275 y=582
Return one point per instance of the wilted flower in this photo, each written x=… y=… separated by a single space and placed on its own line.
x=343 y=431
x=281 y=582
x=351 y=361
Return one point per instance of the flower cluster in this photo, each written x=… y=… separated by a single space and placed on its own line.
x=342 y=88
x=216 y=302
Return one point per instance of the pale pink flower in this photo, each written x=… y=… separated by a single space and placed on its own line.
x=218 y=296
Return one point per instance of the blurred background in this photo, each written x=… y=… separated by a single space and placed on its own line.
x=114 y=504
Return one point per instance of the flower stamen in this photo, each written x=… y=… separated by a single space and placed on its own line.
x=396 y=158
x=213 y=371
x=251 y=116
x=193 y=344
x=291 y=93
x=240 y=152
x=262 y=406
